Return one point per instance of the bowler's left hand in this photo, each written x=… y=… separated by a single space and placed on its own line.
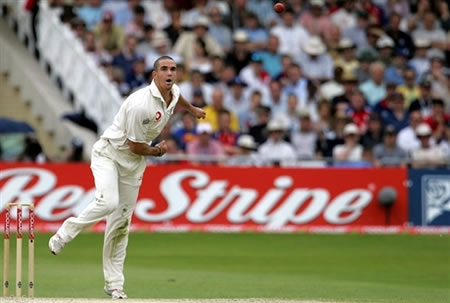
x=198 y=113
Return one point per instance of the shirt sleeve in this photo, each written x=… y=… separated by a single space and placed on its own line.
x=137 y=124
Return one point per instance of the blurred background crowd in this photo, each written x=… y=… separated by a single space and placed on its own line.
x=326 y=82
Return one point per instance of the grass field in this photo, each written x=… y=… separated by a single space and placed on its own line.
x=342 y=268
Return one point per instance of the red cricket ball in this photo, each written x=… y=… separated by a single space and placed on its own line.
x=279 y=7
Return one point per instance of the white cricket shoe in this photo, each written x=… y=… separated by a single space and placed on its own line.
x=56 y=244
x=115 y=293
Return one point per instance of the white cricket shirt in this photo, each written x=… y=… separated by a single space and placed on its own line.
x=142 y=117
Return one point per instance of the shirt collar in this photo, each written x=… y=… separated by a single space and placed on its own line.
x=157 y=94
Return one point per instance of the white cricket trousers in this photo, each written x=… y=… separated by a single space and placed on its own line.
x=116 y=194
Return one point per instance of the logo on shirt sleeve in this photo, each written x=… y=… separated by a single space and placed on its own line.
x=158 y=116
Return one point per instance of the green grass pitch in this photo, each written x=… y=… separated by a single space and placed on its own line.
x=347 y=268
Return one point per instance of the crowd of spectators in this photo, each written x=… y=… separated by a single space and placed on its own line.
x=352 y=82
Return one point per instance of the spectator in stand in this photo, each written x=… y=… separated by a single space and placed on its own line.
x=79 y=27
x=444 y=142
x=158 y=12
x=217 y=69
x=283 y=77
x=376 y=15
x=224 y=135
x=212 y=111
x=374 y=133
x=388 y=153
x=351 y=150
x=138 y=77
x=297 y=84
x=245 y=155
x=304 y=140
x=160 y=47
x=239 y=56
x=332 y=88
x=185 y=45
x=198 y=99
x=257 y=35
x=394 y=72
x=373 y=34
x=191 y=16
x=362 y=73
x=176 y=28
x=374 y=89
x=347 y=57
x=407 y=139
x=423 y=103
x=410 y=90
x=402 y=40
x=126 y=58
x=327 y=140
x=94 y=50
x=439 y=78
x=324 y=117
x=110 y=35
x=238 y=100
x=264 y=10
x=290 y=117
x=358 y=111
x=145 y=44
x=426 y=155
x=438 y=118
x=420 y=62
x=316 y=64
x=255 y=76
x=349 y=84
x=292 y=35
x=123 y=11
x=275 y=150
x=249 y=118
x=187 y=132
x=315 y=21
x=258 y=130
x=201 y=59
x=204 y=145
x=91 y=13
x=219 y=30
x=385 y=48
x=396 y=114
x=358 y=33
x=197 y=82
x=345 y=17
x=271 y=58
x=136 y=26
x=276 y=100
x=431 y=31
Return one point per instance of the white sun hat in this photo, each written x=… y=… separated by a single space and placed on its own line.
x=314 y=46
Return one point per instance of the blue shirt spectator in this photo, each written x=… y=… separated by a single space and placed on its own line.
x=91 y=13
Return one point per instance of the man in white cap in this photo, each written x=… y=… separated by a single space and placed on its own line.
x=276 y=151
x=118 y=164
x=427 y=155
x=351 y=150
x=186 y=43
x=205 y=145
x=246 y=155
x=316 y=64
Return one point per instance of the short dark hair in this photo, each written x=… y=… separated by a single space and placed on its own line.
x=156 y=64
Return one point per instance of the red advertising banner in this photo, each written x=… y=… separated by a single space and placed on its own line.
x=214 y=198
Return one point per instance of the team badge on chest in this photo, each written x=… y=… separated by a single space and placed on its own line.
x=158 y=116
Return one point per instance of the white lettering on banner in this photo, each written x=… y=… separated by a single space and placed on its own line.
x=64 y=197
x=211 y=199
x=344 y=204
x=14 y=189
